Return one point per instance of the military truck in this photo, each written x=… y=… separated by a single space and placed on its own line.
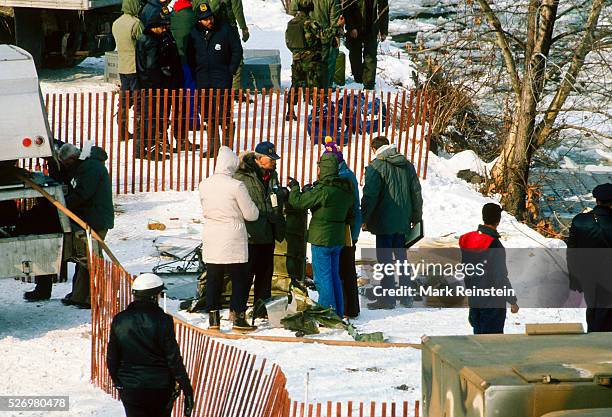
x=31 y=229
x=554 y=375
x=59 y=33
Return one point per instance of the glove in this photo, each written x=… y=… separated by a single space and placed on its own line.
x=306 y=188
x=283 y=193
x=188 y=406
x=292 y=183
x=245 y=34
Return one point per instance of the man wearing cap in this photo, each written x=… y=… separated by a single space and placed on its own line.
x=257 y=170
x=232 y=12
x=143 y=357
x=90 y=196
x=483 y=248
x=159 y=67
x=590 y=269
x=214 y=53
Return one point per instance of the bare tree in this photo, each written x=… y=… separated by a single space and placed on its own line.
x=527 y=133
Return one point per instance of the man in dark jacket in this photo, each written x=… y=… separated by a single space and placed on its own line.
x=590 y=268
x=482 y=248
x=143 y=357
x=390 y=206
x=367 y=22
x=331 y=203
x=90 y=197
x=257 y=170
x=159 y=67
x=214 y=53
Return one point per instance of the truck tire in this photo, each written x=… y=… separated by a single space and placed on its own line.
x=28 y=34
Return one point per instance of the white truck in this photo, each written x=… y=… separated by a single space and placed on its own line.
x=59 y=33
x=31 y=229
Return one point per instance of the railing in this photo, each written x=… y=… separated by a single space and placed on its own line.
x=226 y=381
x=351 y=116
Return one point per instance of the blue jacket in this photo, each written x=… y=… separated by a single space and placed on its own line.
x=345 y=172
x=214 y=56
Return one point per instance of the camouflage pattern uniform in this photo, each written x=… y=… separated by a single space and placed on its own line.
x=307 y=63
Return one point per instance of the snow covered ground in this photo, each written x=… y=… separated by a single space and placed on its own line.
x=45 y=346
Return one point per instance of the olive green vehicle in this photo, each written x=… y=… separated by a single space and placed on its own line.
x=517 y=375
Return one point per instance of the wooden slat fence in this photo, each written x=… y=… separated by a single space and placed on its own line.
x=352 y=116
x=227 y=381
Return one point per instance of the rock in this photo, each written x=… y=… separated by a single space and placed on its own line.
x=470 y=176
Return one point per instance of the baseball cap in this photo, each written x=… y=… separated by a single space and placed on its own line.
x=267 y=149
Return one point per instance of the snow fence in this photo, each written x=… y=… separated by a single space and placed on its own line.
x=227 y=381
x=296 y=121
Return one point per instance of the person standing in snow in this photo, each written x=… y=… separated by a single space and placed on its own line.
x=348 y=273
x=487 y=314
x=331 y=203
x=126 y=31
x=143 y=357
x=390 y=206
x=226 y=205
x=231 y=12
x=90 y=197
x=593 y=230
x=159 y=67
x=257 y=170
x=214 y=53
x=367 y=23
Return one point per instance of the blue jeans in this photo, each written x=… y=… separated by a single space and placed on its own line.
x=326 y=269
x=487 y=320
x=389 y=249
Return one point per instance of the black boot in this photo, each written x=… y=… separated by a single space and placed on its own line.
x=241 y=325
x=42 y=291
x=214 y=320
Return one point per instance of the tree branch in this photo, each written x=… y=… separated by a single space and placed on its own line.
x=567 y=84
x=582 y=129
x=502 y=41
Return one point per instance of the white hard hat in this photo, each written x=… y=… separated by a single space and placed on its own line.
x=147 y=285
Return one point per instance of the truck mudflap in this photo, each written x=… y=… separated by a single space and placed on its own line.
x=28 y=256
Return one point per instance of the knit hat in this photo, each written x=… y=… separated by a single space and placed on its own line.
x=333 y=148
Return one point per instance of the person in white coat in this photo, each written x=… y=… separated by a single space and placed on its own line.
x=226 y=204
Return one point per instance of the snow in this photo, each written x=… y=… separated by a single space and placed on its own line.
x=45 y=346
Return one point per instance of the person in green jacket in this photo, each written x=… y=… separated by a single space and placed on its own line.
x=257 y=170
x=327 y=14
x=367 y=22
x=390 y=206
x=126 y=31
x=232 y=12
x=331 y=203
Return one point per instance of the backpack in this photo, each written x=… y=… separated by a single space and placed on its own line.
x=299 y=33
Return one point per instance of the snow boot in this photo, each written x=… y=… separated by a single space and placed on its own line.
x=240 y=324
x=380 y=305
x=214 y=320
x=42 y=291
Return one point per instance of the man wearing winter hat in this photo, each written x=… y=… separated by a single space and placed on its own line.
x=90 y=197
x=214 y=53
x=257 y=170
x=590 y=269
x=348 y=273
x=159 y=67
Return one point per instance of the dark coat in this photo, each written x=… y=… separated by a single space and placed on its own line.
x=369 y=17
x=345 y=172
x=589 y=264
x=90 y=195
x=391 y=194
x=270 y=224
x=331 y=202
x=483 y=247
x=214 y=56
x=158 y=63
x=142 y=350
